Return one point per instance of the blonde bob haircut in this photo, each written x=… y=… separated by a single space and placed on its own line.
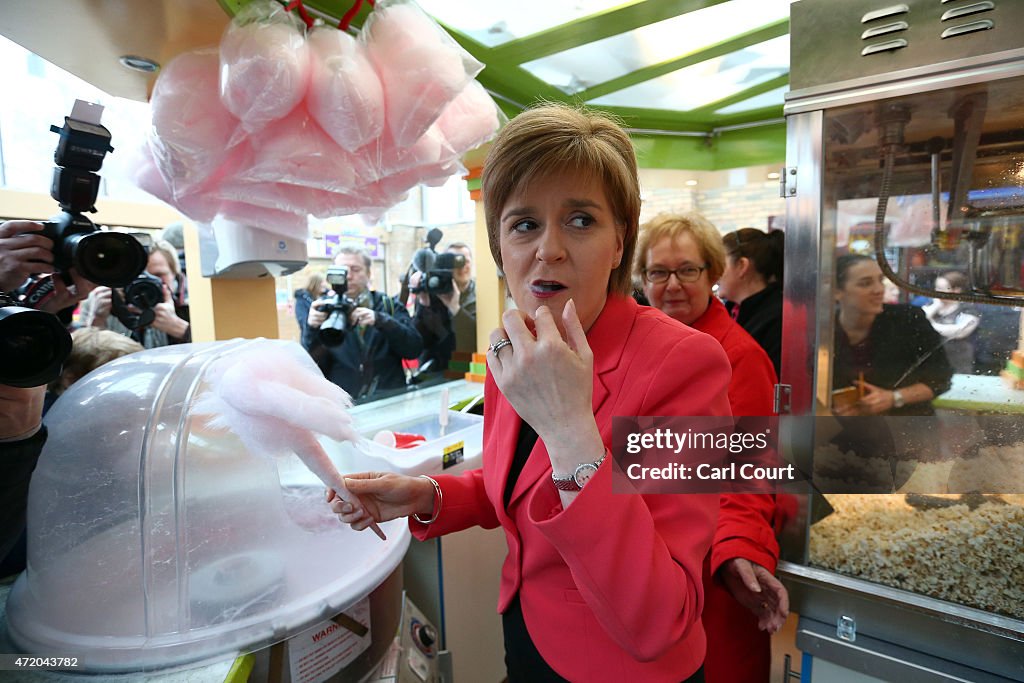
x=674 y=226
x=553 y=138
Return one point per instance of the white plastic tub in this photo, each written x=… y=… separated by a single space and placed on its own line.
x=456 y=450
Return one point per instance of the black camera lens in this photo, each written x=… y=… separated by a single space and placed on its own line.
x=145 y=291
x=33 y=347
x=338 y=308
x=332 y=332
x=331 y=336
x=113 y=259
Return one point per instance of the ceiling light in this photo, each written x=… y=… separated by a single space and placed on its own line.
x=139 y=63
x=691 y=183
x=774 y=175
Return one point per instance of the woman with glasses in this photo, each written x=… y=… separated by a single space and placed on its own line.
x=679 y=257
x=751 y=284
x=596 y=586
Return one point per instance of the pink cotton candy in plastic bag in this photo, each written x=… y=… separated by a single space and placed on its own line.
x=264 y=64
x=296 y=150
x=420 y=67
x=345 y=95
x=470 y=120
x=198 y=207
x=192 y=130
x=296 y=198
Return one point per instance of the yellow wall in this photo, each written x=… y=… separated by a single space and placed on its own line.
x=490 y=290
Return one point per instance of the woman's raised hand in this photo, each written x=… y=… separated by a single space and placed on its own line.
x=547 y=379
x=385 y=496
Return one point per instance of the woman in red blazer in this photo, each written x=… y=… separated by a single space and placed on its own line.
x=596 y=586
x=679 y=257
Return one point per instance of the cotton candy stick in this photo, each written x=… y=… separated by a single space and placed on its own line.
x=312 y=454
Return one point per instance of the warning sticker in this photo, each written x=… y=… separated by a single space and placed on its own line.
x=453 y=455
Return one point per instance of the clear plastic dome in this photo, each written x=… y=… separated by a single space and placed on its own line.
x=156 y=541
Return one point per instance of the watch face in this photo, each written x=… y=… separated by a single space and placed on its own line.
x=584 y=473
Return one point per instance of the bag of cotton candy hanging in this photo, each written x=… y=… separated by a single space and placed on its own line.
x=191 y=135
x=470 y=120
x=345 y=94
x=264 y=64
x=421 y=67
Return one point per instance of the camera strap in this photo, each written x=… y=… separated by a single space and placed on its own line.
x=37 y=292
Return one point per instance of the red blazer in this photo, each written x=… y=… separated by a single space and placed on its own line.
x=745 y=521
x=611 y=586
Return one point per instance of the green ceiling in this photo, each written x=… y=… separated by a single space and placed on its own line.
x=714 y=135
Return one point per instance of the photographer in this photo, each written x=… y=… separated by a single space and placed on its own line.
x=167 y=322
x=25 y=256
x=445 y=313
x=375 y=333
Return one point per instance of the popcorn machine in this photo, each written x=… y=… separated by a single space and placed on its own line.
x=905 y=125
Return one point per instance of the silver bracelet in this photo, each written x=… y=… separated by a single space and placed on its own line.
x=437 y=502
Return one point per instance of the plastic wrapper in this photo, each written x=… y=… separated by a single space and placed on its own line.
x=192 y=131
x=420 y=67
x=327 y=129
x=264 y=64
x=389 y=157
x=147 y=176
x=298 y=152
x=298 y=199
x=470 y=120
x=345 y=94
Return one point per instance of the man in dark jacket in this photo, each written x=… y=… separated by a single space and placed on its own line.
x=380 y=334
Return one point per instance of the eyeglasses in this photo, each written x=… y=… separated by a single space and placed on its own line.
x=684 y=274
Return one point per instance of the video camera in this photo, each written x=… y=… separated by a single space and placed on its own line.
x=33 y=345
x=422 y=261
x=440 y=278
x=106 y=258
x=338 y=307
x=437 y=269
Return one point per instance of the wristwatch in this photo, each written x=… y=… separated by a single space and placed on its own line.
x=897 y=399
x=576 y=480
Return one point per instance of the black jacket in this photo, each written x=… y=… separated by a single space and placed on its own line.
x=761 y=316
x=369 y=360
x=901 y=349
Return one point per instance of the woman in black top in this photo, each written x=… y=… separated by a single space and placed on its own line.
x=752 y=286
x=892 y=362
x=890 y=350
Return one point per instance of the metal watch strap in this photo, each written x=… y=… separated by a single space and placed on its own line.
x=569 y=483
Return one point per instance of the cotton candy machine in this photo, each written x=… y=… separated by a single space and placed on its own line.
x=157 y=541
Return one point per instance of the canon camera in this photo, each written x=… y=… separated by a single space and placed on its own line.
x=106 y=258
x=338 y=307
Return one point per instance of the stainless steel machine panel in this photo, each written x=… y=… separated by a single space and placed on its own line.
x=886 y=37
